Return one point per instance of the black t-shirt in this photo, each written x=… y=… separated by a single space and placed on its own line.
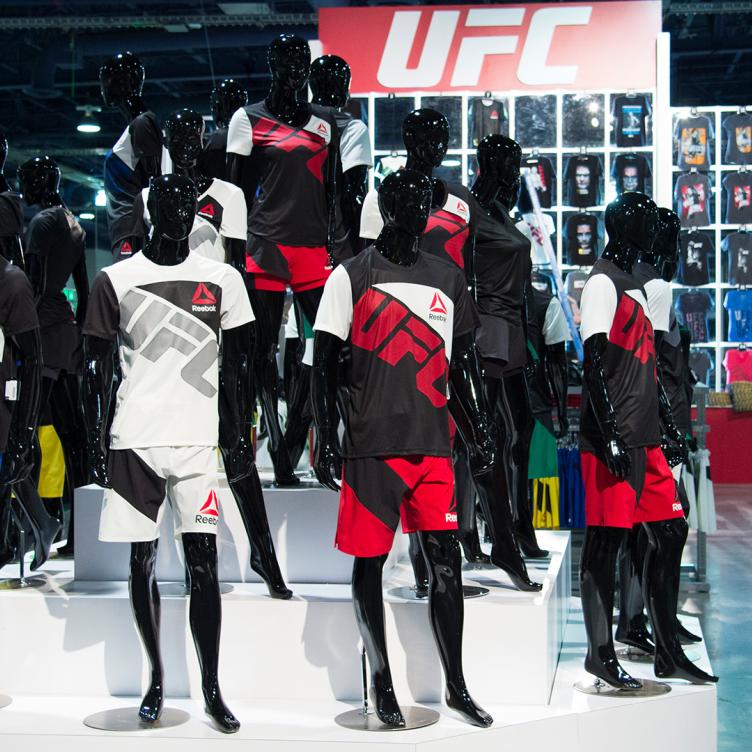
x=287 y=176
x=582 y=176
x=581 y=233
x=738 y=187
x=56 y=237
x=17 y=315
x=544 y=179
x=739 y=134
x=630 y=114
x=401 y=322
x=693 y=136
x=693 y=308
x=613 y=303
x=738 y=246
x=701 y=364
x=674 y=373
x=631 y=172
x=11 y=214
x=213 y=159
x=692 y=196
x=487 y=118
x=695 y=248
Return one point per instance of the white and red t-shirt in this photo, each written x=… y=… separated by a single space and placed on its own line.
x=400 y=322
x=658 y=294
x=167 y=321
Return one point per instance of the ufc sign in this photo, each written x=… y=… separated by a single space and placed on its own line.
x=567 y=46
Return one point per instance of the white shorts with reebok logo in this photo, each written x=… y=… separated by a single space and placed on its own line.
x=141 y=481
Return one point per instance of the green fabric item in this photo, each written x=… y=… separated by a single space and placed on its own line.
x=307 y=329
x=543 y=459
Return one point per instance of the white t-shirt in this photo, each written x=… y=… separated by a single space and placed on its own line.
x=370 y=216
x=221 y=213
x=658 y=294
x=555 y=328
x=355 y=145
x=526 y=225
x=167 y=321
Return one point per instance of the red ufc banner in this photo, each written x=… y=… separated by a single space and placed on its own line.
x=574 y=46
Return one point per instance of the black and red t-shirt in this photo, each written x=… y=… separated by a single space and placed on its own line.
x=400 y=322
x=287 y=176
x=613 y=303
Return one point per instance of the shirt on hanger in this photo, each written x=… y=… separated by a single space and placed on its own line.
x=695 y=248
x=581 y=233
x=701 y=364
x=738 y=365
x=573 y=285
x=488 y=118
x=738 y=303
x=692 y=196
x=693 y=308
x=582 y=176
x=738 y=187
x=738 y=246
x=528 y=226
x=738 y=129
x=544 y=179
x=693 y=135
x=631 y=172
x=630 y=113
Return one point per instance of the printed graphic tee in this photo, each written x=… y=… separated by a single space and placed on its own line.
x=401 y=322
x=739 y=138
x=582 y=177
x=613 y=303
x=573 y=285
x=581 y=233
x=692 y=196
x=701 y=364
x=695 y=249
x=693 y=309
x=631 y=172
x=630 y=114
x=529 y=227
x=488 y=118
x=738 y=365
x=544 y=179
x=738 y=247
x=167 y=322
x=738 y=187
x=287 y=174
x=693 y=136
x=738 y=304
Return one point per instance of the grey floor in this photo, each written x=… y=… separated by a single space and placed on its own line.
x=726 y=615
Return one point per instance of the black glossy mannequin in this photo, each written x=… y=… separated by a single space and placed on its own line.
x=226 y=97
x=39 y=181
x=405 y=202
x=497 y=190
x=172 y=206
x=632 y=222
x=10 y=237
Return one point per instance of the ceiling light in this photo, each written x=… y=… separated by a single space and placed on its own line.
x=86 y=215
x=451 y=163
x=89 y=123
x=101 y=198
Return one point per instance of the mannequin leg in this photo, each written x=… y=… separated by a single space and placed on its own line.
x=44 y=526
x=662 y=563
x=144 y=594
x=7 y=548
x=446 y=607
x=250 y=500
x=632 y=627
x=519 y=434
x=685 y=636
x=299 y=415
x=267 y=307
x=466 y=518
x=420 y=568
x=205 y=616
x=368 y=599
x=597 y=583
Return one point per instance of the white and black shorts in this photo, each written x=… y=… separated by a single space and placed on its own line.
x=143 y=478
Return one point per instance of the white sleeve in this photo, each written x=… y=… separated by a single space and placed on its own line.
x=597 y=306
x=555 y=329
x=291 y=327
x=235 y=216
x=240 y=134
x=370 y=216
x=660 y=301
x=355 y=146
x=336 y=307
x=147 y=216
x=235 y=309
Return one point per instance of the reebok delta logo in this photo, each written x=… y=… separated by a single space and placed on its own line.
x=461 y=208
x=209 y=512
x=207 y=210
x=437 y=310
x=322 y=130
x=676 y=507
x=126 y=249
x=203 y=300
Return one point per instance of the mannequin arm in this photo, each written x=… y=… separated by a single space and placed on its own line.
x=99 y=366
x=614 y=451
x=673 y=442
x=468 y=404
x=18 y=457
x=556 y=372
x=81 y=281
x=236 y=401
x=243 y=171
x=235 y=251
x=353 y=192
x=326 y=351
x=36 y=271
x=11 y=249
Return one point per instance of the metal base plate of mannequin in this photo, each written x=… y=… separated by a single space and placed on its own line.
x=593 y=686
x=22 y=581
x=182 y=590
x=409 y=593
x=5 y=701
x=128 y=720
x=638 y=656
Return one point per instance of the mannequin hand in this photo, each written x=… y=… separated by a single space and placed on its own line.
x=483 y=454
x=692 y=444
x=16 y=464
x=98 y=465
x=324 y=459
x=239 y=460
x=674 y=452
x=617 y=457
x=531 y=366
x=563 y=427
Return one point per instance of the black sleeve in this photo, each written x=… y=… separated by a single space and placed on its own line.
x=18 y=312
x=146 y=136
x=11 y=215
x=465 y=316
x=103 y=312
x=40 y=235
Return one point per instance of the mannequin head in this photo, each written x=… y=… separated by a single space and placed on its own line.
x=499 y=160
x=185 y=130
x=632 y=222
x=227 y=97
x=426 y=136
x=666 y=245
x=172 y=206
x=405 y=201
x=121 y=78
x=289 y=58
x=330 y=81
x=39 y=181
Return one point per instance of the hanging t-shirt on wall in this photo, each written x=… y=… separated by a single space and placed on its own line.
x=693 y=136
x=738 y=246
x=631 y=172
x=488 y=118
x=701 y=364
x=739 y=138
x=693 y=309
x=738 y=365
x=738 y=187
x=582 y=176
x=581 y=234
x=695 y=247
x=544 y=179
x=738 y=303
x=692 y=196
x=630 y=113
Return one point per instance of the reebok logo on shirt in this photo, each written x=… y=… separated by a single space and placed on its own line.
x=203 y=300
x=126 y=248
x=437 y=310
x=449 y=517
x=209 y=512
x=207 y=210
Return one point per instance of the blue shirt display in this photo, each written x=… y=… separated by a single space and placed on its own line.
x=738 y=303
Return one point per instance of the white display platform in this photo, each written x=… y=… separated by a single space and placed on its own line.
x=84 y=641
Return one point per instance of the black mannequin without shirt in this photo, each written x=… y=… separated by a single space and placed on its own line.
x=226 y=97
x=172 y=207
x=10 y=236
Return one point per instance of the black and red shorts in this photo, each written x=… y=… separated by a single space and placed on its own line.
x=378 y=492
x=275 y=267
x=647 y=494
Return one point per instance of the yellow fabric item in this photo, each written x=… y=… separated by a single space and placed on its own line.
x=546 y=503
x=52 y=472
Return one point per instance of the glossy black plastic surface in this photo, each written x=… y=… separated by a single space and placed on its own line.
x=330 y=81
x=226 y=97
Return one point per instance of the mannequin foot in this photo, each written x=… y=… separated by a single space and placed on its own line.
x=680 y=667
x=284 y=476
x=685 y=635
x=386 y=706
x=472 y=551
x=638 y=638
x=44 y=538
x=611 y=672
x=530 y=547
x=220 y=714
x=517 y=572
x=151 y=705
x=459 y=700
x=274 y=581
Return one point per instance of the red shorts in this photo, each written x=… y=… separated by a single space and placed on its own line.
x=647 y=494
x=378 y=492
x=275 y=267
